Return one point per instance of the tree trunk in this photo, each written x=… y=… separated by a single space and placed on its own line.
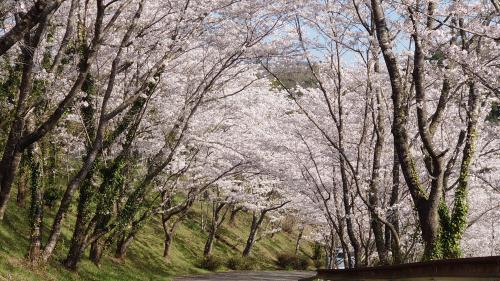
x=453 y=231
x=209 y=243
x=346 y=255
x=373 y=198
x=81 y=228
x=331 y=254
x=75 y=253
x=376 y=224
x=297 y=243
x=22 y=182
x=96 y=251
x=167 y=244
x=348 y=210
x=36 y=208
x=79 y=238
x=166 y=217
x=393 y=217
x=169 y=237
x=256 y=221
x=378 y=232
x=8 y=166
x=232 y=216
x=250 y=242
x=11 y=154
x=217 y=220
x=122 y=246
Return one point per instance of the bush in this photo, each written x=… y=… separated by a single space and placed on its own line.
x=51 y=195
x=290 y=261
x=210 y=263
x=285 y=261
x=318 y=263
x=241 y=263
x=302 y=263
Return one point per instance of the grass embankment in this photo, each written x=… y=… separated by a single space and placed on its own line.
x=144 y=259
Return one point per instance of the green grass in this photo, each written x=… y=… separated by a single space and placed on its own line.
x=144 y=259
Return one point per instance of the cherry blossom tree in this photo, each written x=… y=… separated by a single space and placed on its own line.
x=368 y=121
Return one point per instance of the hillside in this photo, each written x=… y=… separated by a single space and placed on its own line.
x=144 y=260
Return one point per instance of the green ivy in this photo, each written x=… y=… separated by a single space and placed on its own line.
x=46 y=60
x=36 y=206
x=10 y=86
x=494 y=115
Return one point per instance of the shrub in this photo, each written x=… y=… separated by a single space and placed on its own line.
x=51 y=195
x=318 y=263
x=210 y=263
x=241 y=263
x=290 y=261
x=285 y=261
x=301 y=263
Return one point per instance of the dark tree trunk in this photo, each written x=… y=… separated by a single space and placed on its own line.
x=36 y=208
x=122 y=246
x=346 y=255
x=217 y=220
x=169 y=226
x=378 y=229
x=452 y=233
x=209 y=243
x=348 y=210
x=96 y=251
x=299 y=238
x=373 y=198
x=74 y=255
x=8 y=166
x=232 y=216
x=394 y=213
x=82 y=224
x=348 y=207
x=79 y=238
x=256 y=221
x=331 y=253
x=22 y=182
x=12 y=155
x=169 y=237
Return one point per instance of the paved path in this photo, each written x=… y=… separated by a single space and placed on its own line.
x=251 y=275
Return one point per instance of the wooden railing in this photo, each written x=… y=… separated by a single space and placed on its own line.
x=466 y=267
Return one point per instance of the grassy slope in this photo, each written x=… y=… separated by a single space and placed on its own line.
x=144 y=259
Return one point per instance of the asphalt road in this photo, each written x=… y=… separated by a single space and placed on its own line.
x=250 y=276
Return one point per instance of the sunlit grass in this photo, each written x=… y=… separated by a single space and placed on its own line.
x=144 y=259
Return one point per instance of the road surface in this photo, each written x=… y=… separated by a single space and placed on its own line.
x=251 y=276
